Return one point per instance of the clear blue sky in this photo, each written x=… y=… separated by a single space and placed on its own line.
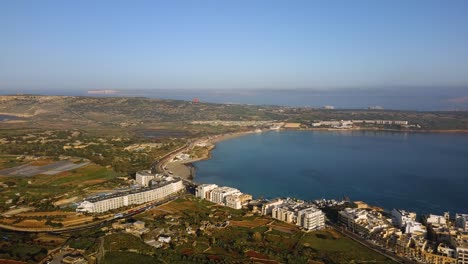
x=232 y=44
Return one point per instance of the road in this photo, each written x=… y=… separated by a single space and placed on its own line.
x=158 y=166
x=370 y=245
x=126 y=214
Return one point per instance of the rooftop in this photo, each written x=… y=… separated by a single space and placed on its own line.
x=132 y=191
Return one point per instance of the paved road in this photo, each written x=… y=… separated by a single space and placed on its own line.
x=102 y=222
x=158 y=165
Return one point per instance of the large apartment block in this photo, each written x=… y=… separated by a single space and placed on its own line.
x=302 y=214
x=133 y=197
x=227 y=196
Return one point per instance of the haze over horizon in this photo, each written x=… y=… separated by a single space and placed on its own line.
x=398 y=54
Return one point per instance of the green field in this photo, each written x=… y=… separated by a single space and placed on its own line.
x=128 y=257
x=41 y=191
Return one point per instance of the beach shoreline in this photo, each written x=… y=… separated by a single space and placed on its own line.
x=187 y=170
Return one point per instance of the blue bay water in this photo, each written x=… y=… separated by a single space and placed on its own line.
x=7 y=117
x=415 y=171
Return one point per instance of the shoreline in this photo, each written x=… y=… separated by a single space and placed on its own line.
x=435 y=131
x=187 y=169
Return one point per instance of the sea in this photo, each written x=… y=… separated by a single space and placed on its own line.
x=422 y=172
x=7 y=117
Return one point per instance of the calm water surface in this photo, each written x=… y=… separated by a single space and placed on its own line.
x=421 y=172
x=7 y=117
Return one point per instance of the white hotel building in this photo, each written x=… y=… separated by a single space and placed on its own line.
x=227 y=196
x=219 y=194
x=136 y=196
x=311 y=218
x=203 y=191
x=302 y=214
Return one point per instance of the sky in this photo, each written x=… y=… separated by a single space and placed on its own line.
x=234 y=45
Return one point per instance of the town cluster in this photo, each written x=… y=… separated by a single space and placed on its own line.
x=337 y=124
x=300 y=213
x=436 y=239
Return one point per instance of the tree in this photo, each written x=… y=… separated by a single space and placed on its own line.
x=257 y=237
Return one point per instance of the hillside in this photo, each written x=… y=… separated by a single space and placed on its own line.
x=137 y=115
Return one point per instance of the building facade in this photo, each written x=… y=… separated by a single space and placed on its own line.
x=133 y=197
x=311 y=219
x=203 y=191
x=401 y=217
x=461 y=221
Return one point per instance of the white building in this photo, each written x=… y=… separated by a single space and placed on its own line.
x=218 y=195
x=144 y=177
x=401 y=217
x=436 y=220
x=227 y=196
x=203 y=191
x=415 y=227
x=284 y=214
x=461 y=221
x=363 y=221
x=446 y=251
x=311 y=219
x=302 y=214
x=267 y=208
x=234 y=201
x=462 y=253
x=136 y=196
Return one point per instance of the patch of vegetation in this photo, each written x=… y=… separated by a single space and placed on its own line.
x=21 y=247
x=128 y=257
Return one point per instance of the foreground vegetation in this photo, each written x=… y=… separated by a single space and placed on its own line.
x=247 y=238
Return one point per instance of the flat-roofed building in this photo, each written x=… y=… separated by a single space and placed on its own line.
x=461 y=221
x=234 y=201
x=218 y=194
x=144 y=178
x=284 y=214
x=401 y=217
x=136 y=196
x=237 y=200
x=267 y=208
x=311 y=219
x=462 y=252
x=203 y=191
x=436 y=220
x=300 y=213
x=363 y=221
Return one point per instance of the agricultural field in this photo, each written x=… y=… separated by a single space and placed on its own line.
x=201 y=232
x=48 y=200
x=30 y=248
x=245 y=238
x=124 y=154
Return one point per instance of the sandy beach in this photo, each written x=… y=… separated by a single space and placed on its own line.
x=185 y=169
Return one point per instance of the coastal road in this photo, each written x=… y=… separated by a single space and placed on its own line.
x=159 y=165
x=368 y=244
